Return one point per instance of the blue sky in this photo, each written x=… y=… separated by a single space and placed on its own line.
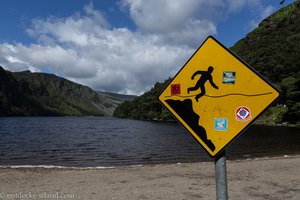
x=122 y=46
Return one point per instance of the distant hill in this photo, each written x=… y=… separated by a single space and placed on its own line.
x=145 y=106
x=118 y=97
x=273 y=49
x=40 y=94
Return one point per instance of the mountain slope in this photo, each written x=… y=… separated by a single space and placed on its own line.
x=272 y=49
x=40 y=94
x=145 y=106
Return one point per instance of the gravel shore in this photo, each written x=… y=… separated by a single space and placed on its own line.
x=276 y=178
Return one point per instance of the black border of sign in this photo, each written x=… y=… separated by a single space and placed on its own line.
x=247 y=65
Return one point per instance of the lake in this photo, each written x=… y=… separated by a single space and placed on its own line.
x=104 y=141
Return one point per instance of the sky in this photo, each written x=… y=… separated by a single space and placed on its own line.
x=121 y=46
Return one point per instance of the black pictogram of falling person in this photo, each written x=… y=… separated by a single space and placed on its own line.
x=205 y=76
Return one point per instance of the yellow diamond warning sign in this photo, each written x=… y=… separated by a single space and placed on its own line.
x=216 y=96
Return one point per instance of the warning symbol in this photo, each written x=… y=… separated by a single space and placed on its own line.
x=175 y=89
x=214 y=92
x=243 y=114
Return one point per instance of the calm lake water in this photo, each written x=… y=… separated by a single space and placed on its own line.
x=101 y=141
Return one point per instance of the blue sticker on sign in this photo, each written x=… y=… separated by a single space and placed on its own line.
x=228 y=78
x=221 y=124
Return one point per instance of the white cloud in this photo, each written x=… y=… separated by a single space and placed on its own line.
x=169 y=15
x=267 y=12
x=264 y=12
x=77 y=29
x=181 y=22
x=84 y=47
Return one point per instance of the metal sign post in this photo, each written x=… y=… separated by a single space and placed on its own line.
x=221 y=177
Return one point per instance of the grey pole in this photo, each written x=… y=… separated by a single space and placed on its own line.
x=221 y=176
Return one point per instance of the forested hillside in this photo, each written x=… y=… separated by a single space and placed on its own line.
x=40 y=94
x=273 y=49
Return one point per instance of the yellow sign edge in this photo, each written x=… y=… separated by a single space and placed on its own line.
x=195 y=136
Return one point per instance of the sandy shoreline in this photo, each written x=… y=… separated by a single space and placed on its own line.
x=277 y=178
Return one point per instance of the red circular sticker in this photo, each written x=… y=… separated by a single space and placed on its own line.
x=243 y=114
